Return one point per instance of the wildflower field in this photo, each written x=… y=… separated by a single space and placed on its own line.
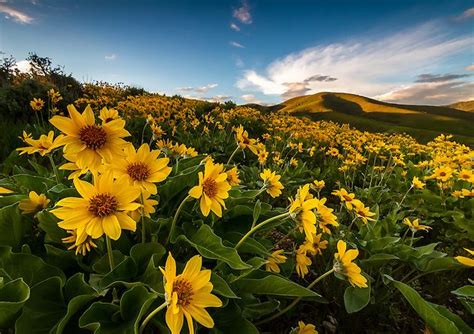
x=154 y=214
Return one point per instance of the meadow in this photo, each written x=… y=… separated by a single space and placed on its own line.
x=142 y=213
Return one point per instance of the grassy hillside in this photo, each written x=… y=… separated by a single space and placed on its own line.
x=463 y=105
x=420 y=121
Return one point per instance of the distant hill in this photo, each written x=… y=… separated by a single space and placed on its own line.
x=421 y=121
x=463 y=105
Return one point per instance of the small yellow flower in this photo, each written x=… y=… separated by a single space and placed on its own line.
x=302 y=209
x=417 y=183
x=233 y=176
x=148 y=207
x=318 y=185
x=466 y=260
x=363 y=212
x=274 y=260
x=343 y=265
x=108 y=115
x=302 y=261
x=83 y=247
x=37 y=104
x=442 y=174
x=415 y=225
x=4 y=191
x=188 y=295
x=317 y=245
x=305 y=328
x=242 y=137
x=271 y=182
x=34 y=203
x=345 y=197
x=43 y=145
x=466 y=175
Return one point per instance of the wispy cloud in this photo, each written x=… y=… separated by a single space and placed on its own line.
x=200 y=90
x=439 y=77
x=112 y=56
x=243 y=13
x=234 y=26
x=250 y=98
x=15 y=14
x=237 y=45
x=368 y=67
x=468 y=13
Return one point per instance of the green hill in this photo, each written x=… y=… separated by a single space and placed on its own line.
x=421 y=121
x=463 y=105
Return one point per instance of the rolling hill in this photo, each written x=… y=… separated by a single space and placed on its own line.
x=463 y=105
x=421 y=121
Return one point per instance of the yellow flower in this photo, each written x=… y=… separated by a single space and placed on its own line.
x=294 y=162
x=466 y=175
x=34 y=203
x=188 y=294
x=148 y=207
x=302 y=208
x=108 y=115
x=345 y=197
x=325 y=216
x=271 y=182
x=244 y=141
x=343 y=265
x=317 y=245
x=142 y=167
x=274 y=259
x=362 y=211
x=233 y=176
x=212 y=189
x=83 y=247
x=54 y=96
x=90 y=143
x=43 y=145
x=318 y=185
x=37 y=104
x=442 y=174
x=302 y=261
x=306 y=328
x=466 y=260
x=416 y=183
x=415 y=225
x=102 y=208
x=262 y=156
x=4 y=191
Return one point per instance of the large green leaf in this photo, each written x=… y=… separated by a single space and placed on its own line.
x=355 y=299
x=433 y=318
x=12 y=297
x=460 y=324
x=142 y=253
x=210 y=246
x=276 y=286
x=229 y=320
x=49 y=224
x=221 y=287
x=12 y=229
x=33 y=182
x=255 y=311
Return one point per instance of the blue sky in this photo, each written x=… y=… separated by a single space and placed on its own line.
x=255 y=51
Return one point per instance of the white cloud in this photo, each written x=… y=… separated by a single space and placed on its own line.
x=468 y=13
x=23 y=66
x=370 y=67
x=243 y=13
x=112 y=56
x=218 y=98
x=234 y=26
x=250 y=98
x=469 y=68
x=237 y=45
x=202 y=89
x=15 y=14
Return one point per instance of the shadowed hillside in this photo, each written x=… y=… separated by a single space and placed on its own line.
x=463 y=105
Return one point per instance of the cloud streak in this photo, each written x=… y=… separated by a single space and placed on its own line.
x=243 y=13
x=112 y=56
x=15 y=14
x=199 y=90
x=236 y=45
x=234 y=27
x=368 y=67
x=468 y=13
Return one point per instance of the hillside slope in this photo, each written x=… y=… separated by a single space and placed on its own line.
x=421 y=121
x=463 y=105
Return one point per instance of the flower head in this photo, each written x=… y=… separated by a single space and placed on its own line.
x=302 y=208
x=34 y=203
x=271 y=182
x=415 y=225
x=363 y=212
x=417 y=183
x=343 y=265
x=83 y=247
x=305 y=329
x=233 y=176
x=212 y=189
x=345 y=197
x=242 y=137
x=274 y=260
x=37 y=104
x=302 y=261
x=43 y=145
x=188 y=294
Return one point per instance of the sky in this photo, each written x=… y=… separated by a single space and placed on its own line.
x=250 y=51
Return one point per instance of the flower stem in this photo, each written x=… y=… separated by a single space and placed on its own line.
x=142 y=213
x=232 y=155
x=175 y=218
x=150 y=316
x=109 y=253
x=55 y=169
x=297 y=300
x=255 y=228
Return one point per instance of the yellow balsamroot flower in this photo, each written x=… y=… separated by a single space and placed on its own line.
x=188 y=294
x=34 y=203
x=262 y=157
x=302 y=261
x=88 y=142
x=466 y=260
x=274 y=260
x=325 y=216
x=54 y=96
x=81 y=248
x=233 y=176
x=305 y=329
x=142 y=167
x=317 y=245
x=242 y=137
x=294 y=162
x=4 y=191
x=212 y=189
x=72 y=166
x=415 y=225
x=37 y=104
x=148 y=207
x=271 y=182
x=345 y=197
x=108 y=115
x=466 y=175
x=417 y=183
x=43 y=145
x=302 y=209
x=101 y=209
x=442 y=174
x=343 y=265
x=318 y=185
x=362 y=211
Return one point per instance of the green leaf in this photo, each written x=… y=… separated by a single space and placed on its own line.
x=229 y=320
x=465 y=291
x=12 y=229
x=433 y=318
x=99 y=318
x=134 y=304
x=12 y=297
x=256 y=211
x=255 y=311
x=49 y=224
x=124 y=271
x=355 y=299
x=34 y=183
x=221 y=287
x=210 y=246
x=379 y=259
x=276 y=286
x=460 y=324
x=438 y=264
x=250 y=245
x=142 y=253
x=176 y=184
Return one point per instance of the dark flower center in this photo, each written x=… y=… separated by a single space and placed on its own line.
x=209 y=187
x=138 y=171
x=93 y=136
x=184 y=290
x=103 y=205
